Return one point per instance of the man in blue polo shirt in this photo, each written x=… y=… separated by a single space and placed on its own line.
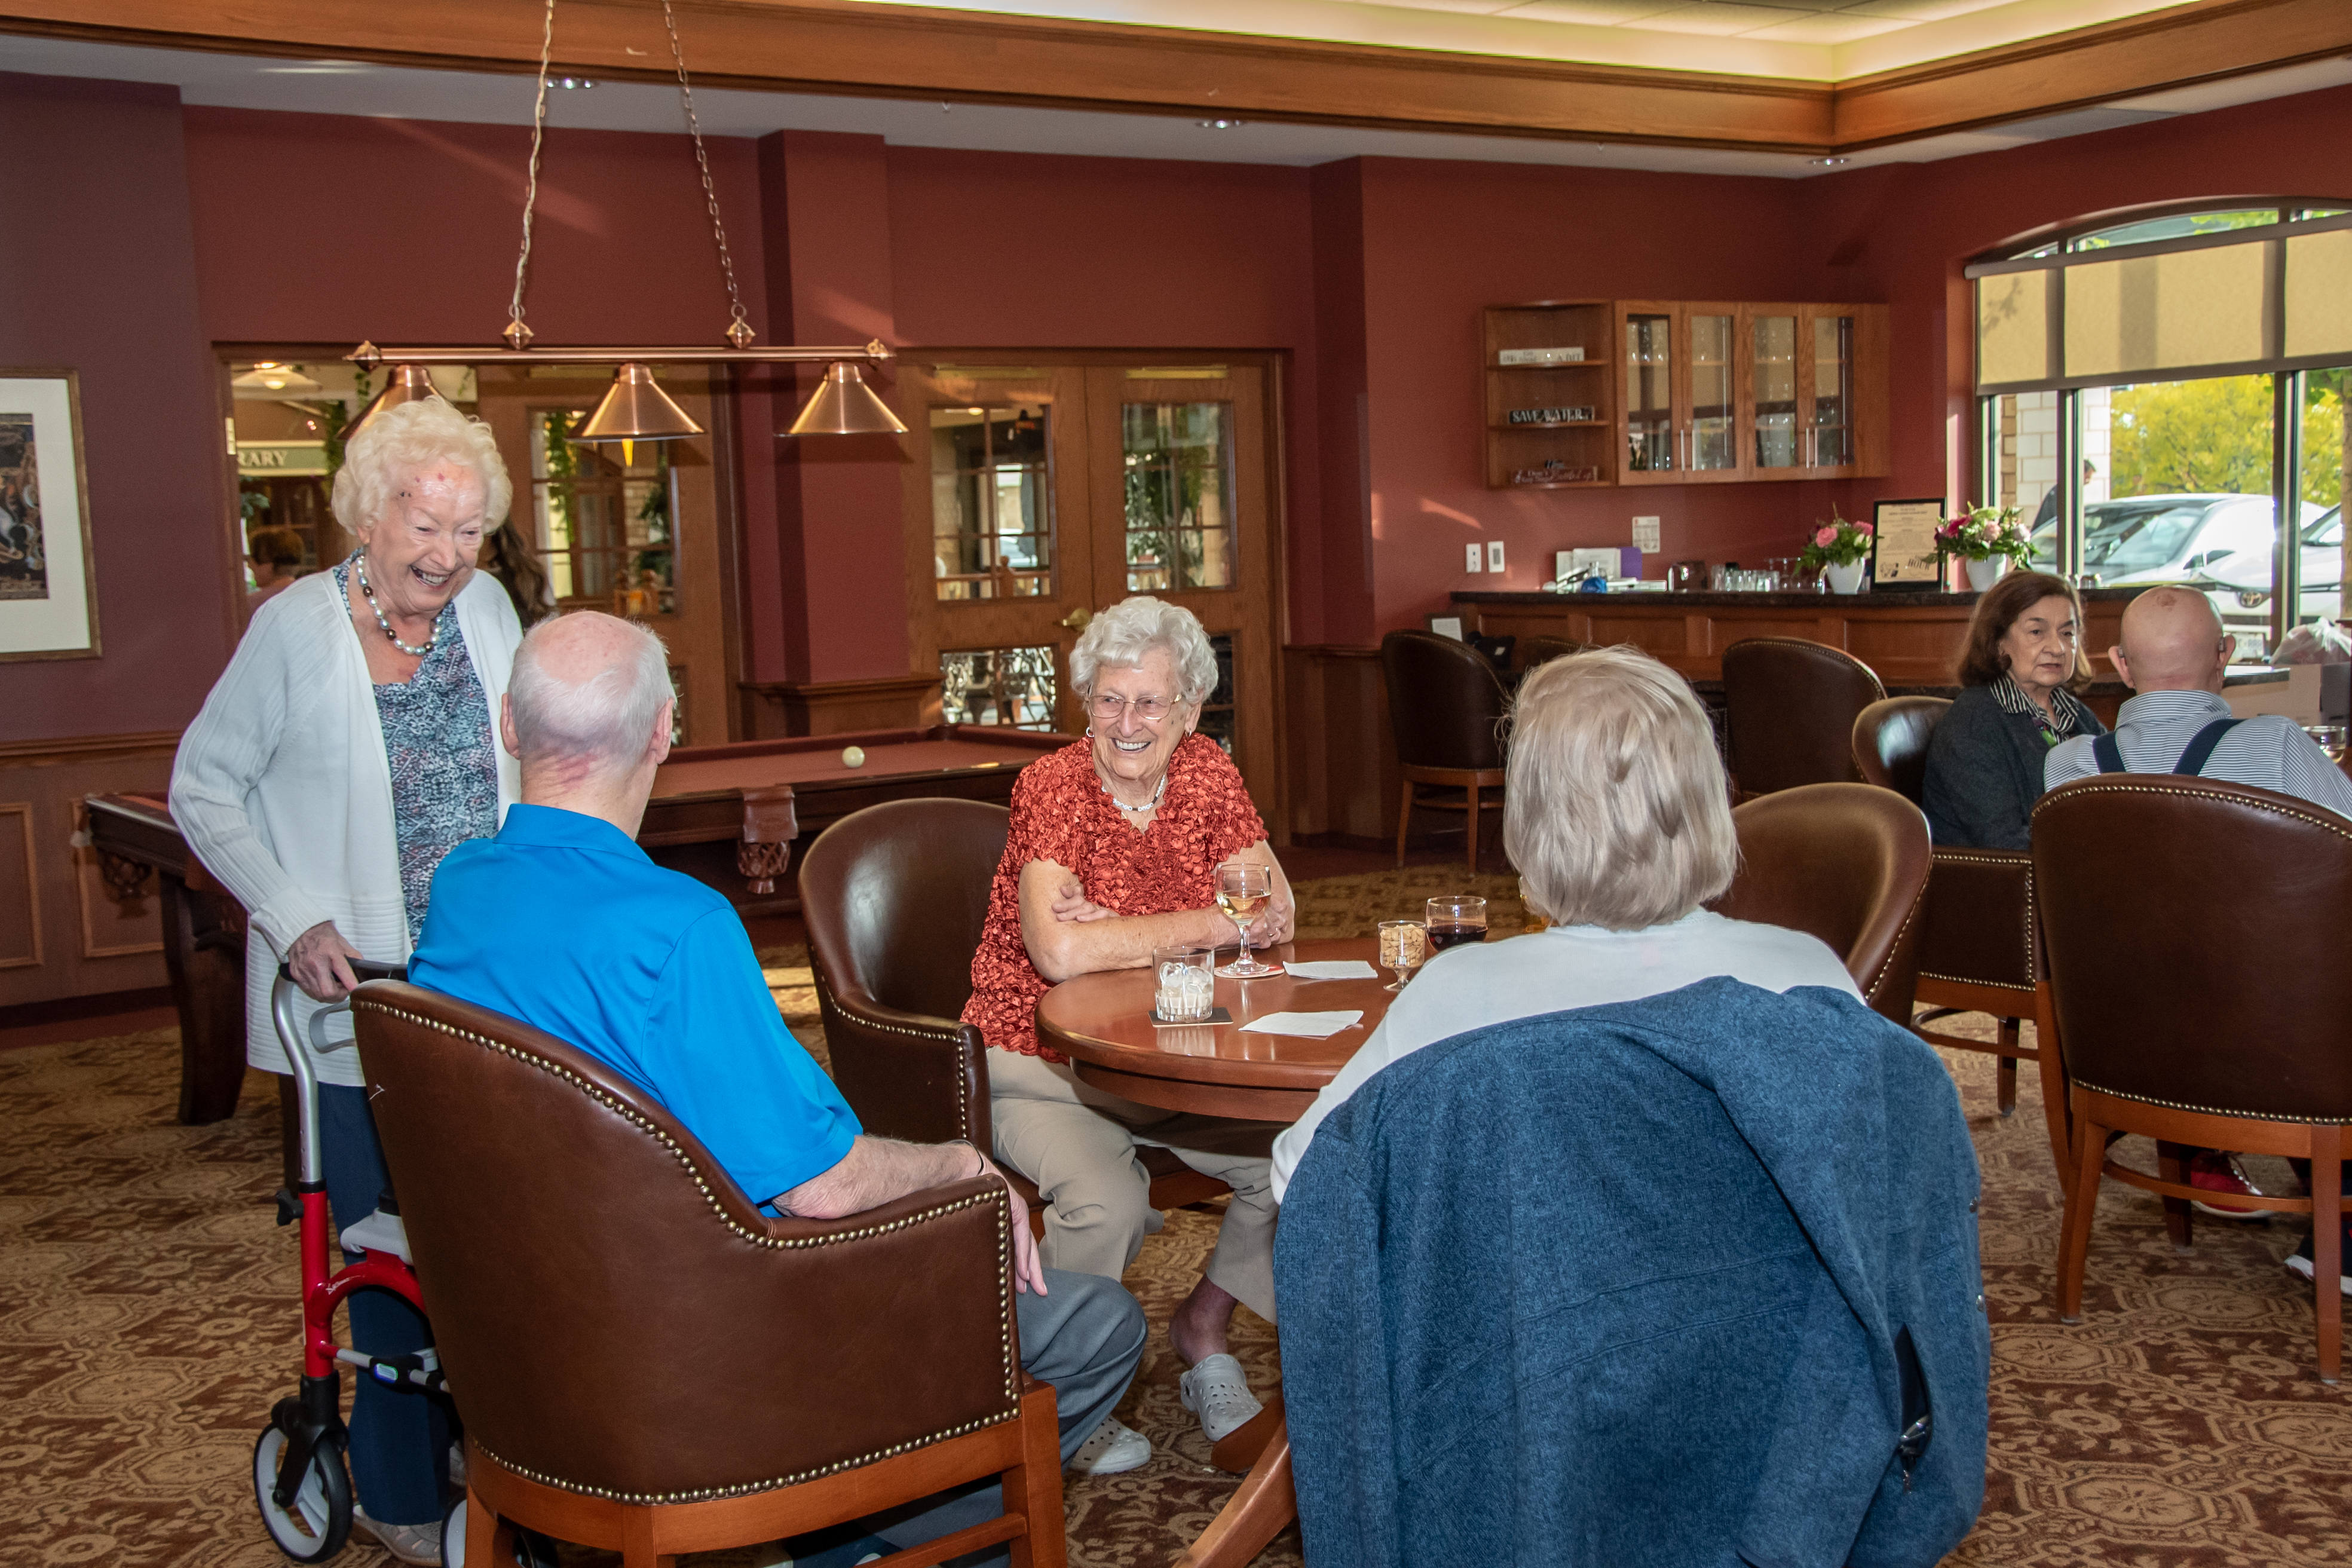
x=561 y=921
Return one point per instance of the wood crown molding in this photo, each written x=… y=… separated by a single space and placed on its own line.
x=830 y=47
x=86 y=748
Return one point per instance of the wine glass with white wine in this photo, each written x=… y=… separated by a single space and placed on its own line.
x=1244 y=887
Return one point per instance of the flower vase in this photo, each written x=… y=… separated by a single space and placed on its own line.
x=1983 y=574
x=1844 y=579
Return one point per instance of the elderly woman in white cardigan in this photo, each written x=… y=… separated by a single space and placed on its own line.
x=351 y=744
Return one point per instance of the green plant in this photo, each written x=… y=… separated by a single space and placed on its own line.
x=1836 y=542
x=1984 y=533
x=335 y=418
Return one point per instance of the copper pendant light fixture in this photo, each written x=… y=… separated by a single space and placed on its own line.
x=637 y=409
x=407 y=383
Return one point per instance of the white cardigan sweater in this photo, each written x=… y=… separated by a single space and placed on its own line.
x=284 y=790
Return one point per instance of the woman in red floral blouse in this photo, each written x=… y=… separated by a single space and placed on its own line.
x=1113 y=851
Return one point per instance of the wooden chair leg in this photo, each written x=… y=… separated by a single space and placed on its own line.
x=2172 y=1164
x=2328 y=1244
x=637 y=1540
x=1474 y=827
x=2056 y=1102
x=2005 y=1076
x=2074 y=1234
x=1033 y=1487
x=1404 y=820
x=489 y=1539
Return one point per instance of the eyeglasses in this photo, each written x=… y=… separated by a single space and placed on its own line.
x=1109 y=710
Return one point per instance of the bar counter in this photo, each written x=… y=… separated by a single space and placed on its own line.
x=1909 y=639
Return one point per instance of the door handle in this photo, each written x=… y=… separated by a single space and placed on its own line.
x=1076 y=619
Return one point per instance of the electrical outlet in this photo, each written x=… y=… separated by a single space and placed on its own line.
x=1646 y=535
x=1474 y=557
x=1494 y=555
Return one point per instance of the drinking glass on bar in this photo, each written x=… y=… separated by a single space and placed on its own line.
x=1458 y=918
x=1404 y=944
x=1243 y=889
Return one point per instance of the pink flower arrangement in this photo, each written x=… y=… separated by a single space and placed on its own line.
x=1837 y=542
x=1983 y=532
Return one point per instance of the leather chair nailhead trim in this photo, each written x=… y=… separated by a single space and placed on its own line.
x=1962 y=857
x=827 y=1001
x=1988 y=985
x=1007 y=1323
x=1896 y=945
x=777 y=1483
x=2216 y=1110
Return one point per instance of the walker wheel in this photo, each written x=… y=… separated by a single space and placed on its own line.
x=314 y=1527
x=532 y=1550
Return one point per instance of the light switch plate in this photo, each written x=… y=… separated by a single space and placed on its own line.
x=1474 y=557
x=1646 y=535
x=1494 y=555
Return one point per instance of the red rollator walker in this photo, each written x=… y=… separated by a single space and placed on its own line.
x=300 y=1479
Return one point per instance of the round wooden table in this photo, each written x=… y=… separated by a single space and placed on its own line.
x=1102 y=1022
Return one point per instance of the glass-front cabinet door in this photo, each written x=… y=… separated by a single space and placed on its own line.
x=1770 y=339
x=1653 y=451
x=1711 y=403
x=1842 y=344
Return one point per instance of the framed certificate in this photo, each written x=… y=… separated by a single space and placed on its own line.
x=1902 y=554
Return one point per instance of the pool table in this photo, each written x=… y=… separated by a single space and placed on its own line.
x=730 y=815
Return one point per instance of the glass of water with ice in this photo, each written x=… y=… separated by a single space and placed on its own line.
x=1185 y=988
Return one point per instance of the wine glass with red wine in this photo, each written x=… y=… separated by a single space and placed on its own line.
x=1455 y=919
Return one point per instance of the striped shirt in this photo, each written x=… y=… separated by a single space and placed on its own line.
x=2268 y=751
x=2066 y=710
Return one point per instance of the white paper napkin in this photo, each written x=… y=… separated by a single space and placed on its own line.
x=1310 y=1025
x=1331 y=969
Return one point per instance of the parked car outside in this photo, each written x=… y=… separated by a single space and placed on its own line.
x=2245 y=585
x=2220 y=544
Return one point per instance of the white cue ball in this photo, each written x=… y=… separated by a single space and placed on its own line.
x=853 y=756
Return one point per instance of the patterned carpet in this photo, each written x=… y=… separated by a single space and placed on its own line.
x=147 y=1323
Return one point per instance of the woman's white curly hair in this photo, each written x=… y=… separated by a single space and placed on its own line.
x=1121 y=636
x=406 y=437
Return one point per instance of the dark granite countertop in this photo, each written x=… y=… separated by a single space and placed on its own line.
x=1784 y=601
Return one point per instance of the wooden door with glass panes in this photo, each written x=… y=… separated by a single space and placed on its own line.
x=1048 y=491
x=631 y=529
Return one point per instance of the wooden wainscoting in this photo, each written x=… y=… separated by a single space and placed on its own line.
x=67 y=927
x=1342 y=774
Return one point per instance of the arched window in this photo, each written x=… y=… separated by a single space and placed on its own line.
x=2161 y=390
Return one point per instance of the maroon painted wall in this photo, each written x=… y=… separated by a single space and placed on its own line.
x=98 y=274
x=1367 y=275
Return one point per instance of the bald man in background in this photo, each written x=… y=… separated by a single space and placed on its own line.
x=2173 y=656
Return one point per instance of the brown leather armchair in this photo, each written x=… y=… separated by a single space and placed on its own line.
x=894 y=898
x=2166 y=905
x=1534 y=651
x=600 y=1291
x=1788 y=710
x=1445 y=711
x=1975 y=933
x=1846 y=863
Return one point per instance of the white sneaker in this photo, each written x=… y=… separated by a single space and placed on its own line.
x=1215 y=1390
x=1111 y=1449
x=418 y=1545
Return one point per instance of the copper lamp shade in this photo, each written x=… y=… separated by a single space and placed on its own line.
x=845 y=406
x=636 y=409
x=406 y=383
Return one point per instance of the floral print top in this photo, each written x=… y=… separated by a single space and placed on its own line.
x=1061 y=814
x=445 y=763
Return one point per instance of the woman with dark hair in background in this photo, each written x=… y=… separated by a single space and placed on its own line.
x=2022 y=666
x=277 y=557
x=509 y=556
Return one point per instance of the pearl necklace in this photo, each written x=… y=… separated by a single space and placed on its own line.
x=1153 y=804
x=359 y=565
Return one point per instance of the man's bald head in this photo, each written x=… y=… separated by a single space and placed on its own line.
x=585 y=692
x=2172 y=641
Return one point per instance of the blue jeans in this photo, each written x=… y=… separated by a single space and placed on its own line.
x=399 y=1436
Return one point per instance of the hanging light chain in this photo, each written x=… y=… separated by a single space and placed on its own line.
x=739 y=331
x=516 y=334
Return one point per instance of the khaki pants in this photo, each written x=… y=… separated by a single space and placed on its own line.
x=1077 y=1144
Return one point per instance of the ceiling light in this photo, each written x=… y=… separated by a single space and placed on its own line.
x=271 y=376
x=634 y=409
x=574 y=83
x=1829 y=162
x=1221 y=124
x=407 y=383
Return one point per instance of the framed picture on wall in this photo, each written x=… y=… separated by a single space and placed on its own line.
x=49 y=597
x=1904 y=557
